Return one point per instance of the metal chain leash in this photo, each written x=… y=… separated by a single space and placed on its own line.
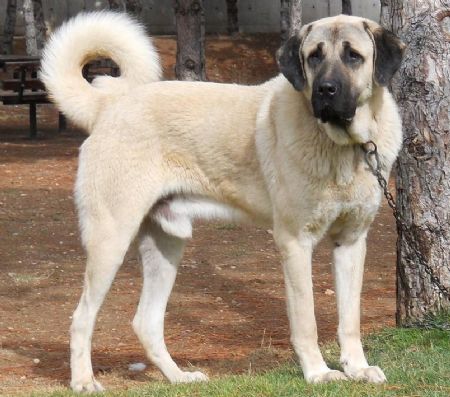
x=372 y=159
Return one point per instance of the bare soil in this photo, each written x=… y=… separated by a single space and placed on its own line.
x=227 y=312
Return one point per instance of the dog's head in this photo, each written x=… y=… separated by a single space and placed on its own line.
x=337 y=63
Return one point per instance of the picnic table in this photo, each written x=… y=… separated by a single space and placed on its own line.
x=20 y=84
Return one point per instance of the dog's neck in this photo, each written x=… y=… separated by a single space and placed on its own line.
x=346 y=160
x=309 y=147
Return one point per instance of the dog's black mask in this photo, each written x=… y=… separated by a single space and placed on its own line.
x=332 y=99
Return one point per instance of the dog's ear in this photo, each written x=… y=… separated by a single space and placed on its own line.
x=290 y=62
x=388 y=53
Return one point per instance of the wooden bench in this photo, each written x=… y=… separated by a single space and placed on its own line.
x=100 y=67
x=20 y=84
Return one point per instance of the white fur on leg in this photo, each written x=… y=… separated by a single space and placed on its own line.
x=314 y=367
x=189 y=377
x=105 y=252
x=160 y=253
x=326 y=376
x=82 y=377
x=349 y=268
x=370 y=374
x=87 y=385
x=300 y=303
x=355 y=364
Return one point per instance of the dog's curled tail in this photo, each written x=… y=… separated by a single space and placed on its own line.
x=84 y=38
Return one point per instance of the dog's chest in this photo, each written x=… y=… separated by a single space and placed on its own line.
x=343 y=211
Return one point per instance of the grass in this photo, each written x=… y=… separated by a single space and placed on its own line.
x=416 y=363
x=435 y=321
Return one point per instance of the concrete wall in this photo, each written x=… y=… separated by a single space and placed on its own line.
x=254 y=15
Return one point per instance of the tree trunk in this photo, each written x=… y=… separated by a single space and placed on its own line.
x=347 y=7
x=284 y=20
x=116 y=5
x=232 y=17
x=385 y=18
x=190 y=23
x=422 y=89
x=34 y=26
x=295 y=19
x=132 y=7
x=10 y=26
x=290 y=18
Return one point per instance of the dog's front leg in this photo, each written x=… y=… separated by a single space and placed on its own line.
x=349 y=269
x=296 y=255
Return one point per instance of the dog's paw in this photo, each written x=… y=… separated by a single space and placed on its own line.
x=189 y=377
x=88 y=386
x=328 y=376
x=370 y=374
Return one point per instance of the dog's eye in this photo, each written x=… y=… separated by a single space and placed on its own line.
x=355 y=57
x=315 y=57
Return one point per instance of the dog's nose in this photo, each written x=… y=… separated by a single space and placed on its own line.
x=328 y=88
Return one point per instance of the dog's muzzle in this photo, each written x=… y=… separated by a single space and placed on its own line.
x=331 y=104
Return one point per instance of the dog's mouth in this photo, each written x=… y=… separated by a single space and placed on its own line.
x=329 y=115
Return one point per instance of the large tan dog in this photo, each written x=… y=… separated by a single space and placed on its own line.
x=286 y=154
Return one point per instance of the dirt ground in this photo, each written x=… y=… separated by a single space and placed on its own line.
x=227 y=312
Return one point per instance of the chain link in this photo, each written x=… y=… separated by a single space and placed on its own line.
x=372 y=158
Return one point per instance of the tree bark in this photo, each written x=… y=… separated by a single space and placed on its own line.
x=295 y=18
x=385 y=18
x=422 y=89
x=232 y=17
x=284 y=20
x=10 y=26
x=190 y=23
x=290 y=18
x=347 y=7
x=34 y=26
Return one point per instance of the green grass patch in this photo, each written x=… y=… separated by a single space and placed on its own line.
x=416 y=363
x=440 y=321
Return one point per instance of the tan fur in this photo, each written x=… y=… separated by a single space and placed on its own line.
x=163 y=153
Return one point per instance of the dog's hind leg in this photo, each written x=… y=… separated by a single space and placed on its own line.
x=106 y=249
x=160 y=254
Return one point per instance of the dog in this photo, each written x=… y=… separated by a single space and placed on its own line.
x=286 y=154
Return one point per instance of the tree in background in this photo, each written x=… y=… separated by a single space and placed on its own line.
x=116 y=5
x=190 y=25
x=295 y=17
x=35 y=30
x=284 y=20
x=347 y=7
x=10 y=26
x=422 y=89
x=232 y=17
x=133 y=7
x=290 y=18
